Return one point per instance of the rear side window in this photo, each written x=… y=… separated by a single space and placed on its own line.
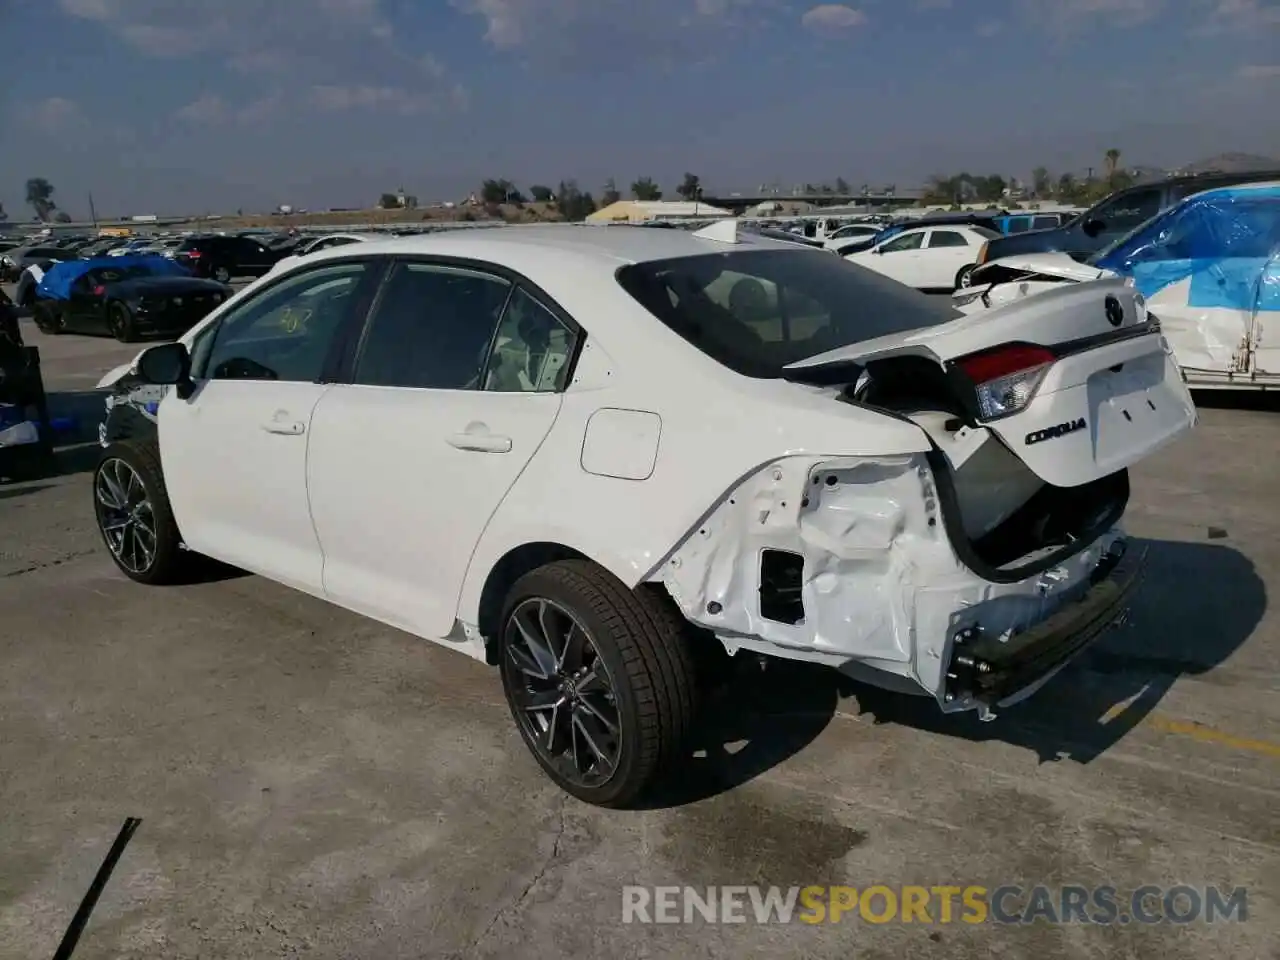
x=432 y=328
x=1044 y=223
x=947 y=238
x=757 y=311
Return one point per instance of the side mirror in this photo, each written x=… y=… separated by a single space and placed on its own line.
x=167 y=364
x=1093 y=226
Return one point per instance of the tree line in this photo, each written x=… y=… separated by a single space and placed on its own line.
x=1065 y=188
x=40 y=199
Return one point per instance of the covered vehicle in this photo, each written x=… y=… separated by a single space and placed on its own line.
x=128 y=297
x=25 y=434
x=633 y=451
x=1208 y=268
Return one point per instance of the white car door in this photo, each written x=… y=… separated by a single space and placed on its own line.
x=946 y=252
x=235 y=452
x=898 y=257
x=409 y=460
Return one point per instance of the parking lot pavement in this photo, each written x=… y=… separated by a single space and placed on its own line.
x=309 y=781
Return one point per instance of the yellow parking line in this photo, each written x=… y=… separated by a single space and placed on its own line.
x=1198 y=731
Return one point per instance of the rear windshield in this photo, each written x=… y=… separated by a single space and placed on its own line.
x=116 y=274
x=986 y=232
x=756 y=311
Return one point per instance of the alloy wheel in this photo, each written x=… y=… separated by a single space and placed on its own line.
x=562 y=693
x=125 y=515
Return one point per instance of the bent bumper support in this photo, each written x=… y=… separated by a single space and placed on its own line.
x=993 y=671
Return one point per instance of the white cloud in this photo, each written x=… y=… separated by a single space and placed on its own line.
x=1247 y=16
x=833 y=16
x=1071 y=16
x=389 y=99
x=593 y=35
x=52 y=115
x=1260 y=71
x=208 y=109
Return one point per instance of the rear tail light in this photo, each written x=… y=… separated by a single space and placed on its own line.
x=191 y=254
x=982 y=254
x=99 y=291
x=1006 y=379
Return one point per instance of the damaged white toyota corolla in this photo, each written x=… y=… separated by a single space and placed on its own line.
x=587 y=455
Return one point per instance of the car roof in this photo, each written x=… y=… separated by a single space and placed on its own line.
x=610 y=248
x=1262 y=185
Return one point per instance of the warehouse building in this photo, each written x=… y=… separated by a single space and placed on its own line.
x=647 y=211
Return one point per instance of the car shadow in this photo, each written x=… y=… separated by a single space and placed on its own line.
x=9 y=491
x=771 y=710
x=1198 y=604
x=1267 y=401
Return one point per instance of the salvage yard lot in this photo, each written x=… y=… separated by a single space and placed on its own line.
x=312 y=781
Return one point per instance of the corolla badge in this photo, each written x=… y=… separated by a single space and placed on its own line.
x=1114 y=311
x=1054 y=432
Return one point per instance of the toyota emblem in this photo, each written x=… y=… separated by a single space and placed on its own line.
x=1114 y=311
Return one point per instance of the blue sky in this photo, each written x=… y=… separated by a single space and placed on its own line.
x=171 y=106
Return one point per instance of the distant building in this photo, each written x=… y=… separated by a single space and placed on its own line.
x=646 y=211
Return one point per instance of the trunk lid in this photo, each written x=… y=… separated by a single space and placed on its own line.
x=1109 y=396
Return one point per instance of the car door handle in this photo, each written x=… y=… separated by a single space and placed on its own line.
x=288 y=428
x=481 y=442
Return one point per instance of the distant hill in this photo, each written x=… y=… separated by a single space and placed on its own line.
x=1233 y=163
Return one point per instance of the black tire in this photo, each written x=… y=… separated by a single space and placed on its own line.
x=964 y=277
x=222 y=274
x=120 y=323
x=642 y=641
x=170 y=563
x=46 y=320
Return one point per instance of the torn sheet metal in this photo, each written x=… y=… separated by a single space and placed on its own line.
x=881 y=586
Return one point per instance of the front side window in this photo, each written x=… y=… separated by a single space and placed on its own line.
x=756 y=311
x=532 y=350
x=1044 y=223
x=432 y=328
x=285 y=332
x=908 y=241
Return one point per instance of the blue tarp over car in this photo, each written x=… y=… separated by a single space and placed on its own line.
x=57 y=281
x=1226 y=241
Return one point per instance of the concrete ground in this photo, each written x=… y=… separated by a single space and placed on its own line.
x=312 y=783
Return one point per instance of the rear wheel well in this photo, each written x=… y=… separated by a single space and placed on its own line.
x=513 y=565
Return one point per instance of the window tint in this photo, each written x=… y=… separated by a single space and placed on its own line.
x=432 y=328
x=531 y=351
x=1044 y=223
x=908 y=241
x=756 y=311
x=1127 y=211
x=947 y=238
x=284 y=333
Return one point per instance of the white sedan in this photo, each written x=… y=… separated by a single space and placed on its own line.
x=330 y=240
x=927 y=258
x=596 y=458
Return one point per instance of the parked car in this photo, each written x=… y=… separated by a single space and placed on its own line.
x=1032 y=220
x=222 y=258
x=1111 y=218
x=927 y=258
x=1209 y=268
x=596 y=461
x=987 y=221
x=329 y=240
x=14 y=262
x=128 y=297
